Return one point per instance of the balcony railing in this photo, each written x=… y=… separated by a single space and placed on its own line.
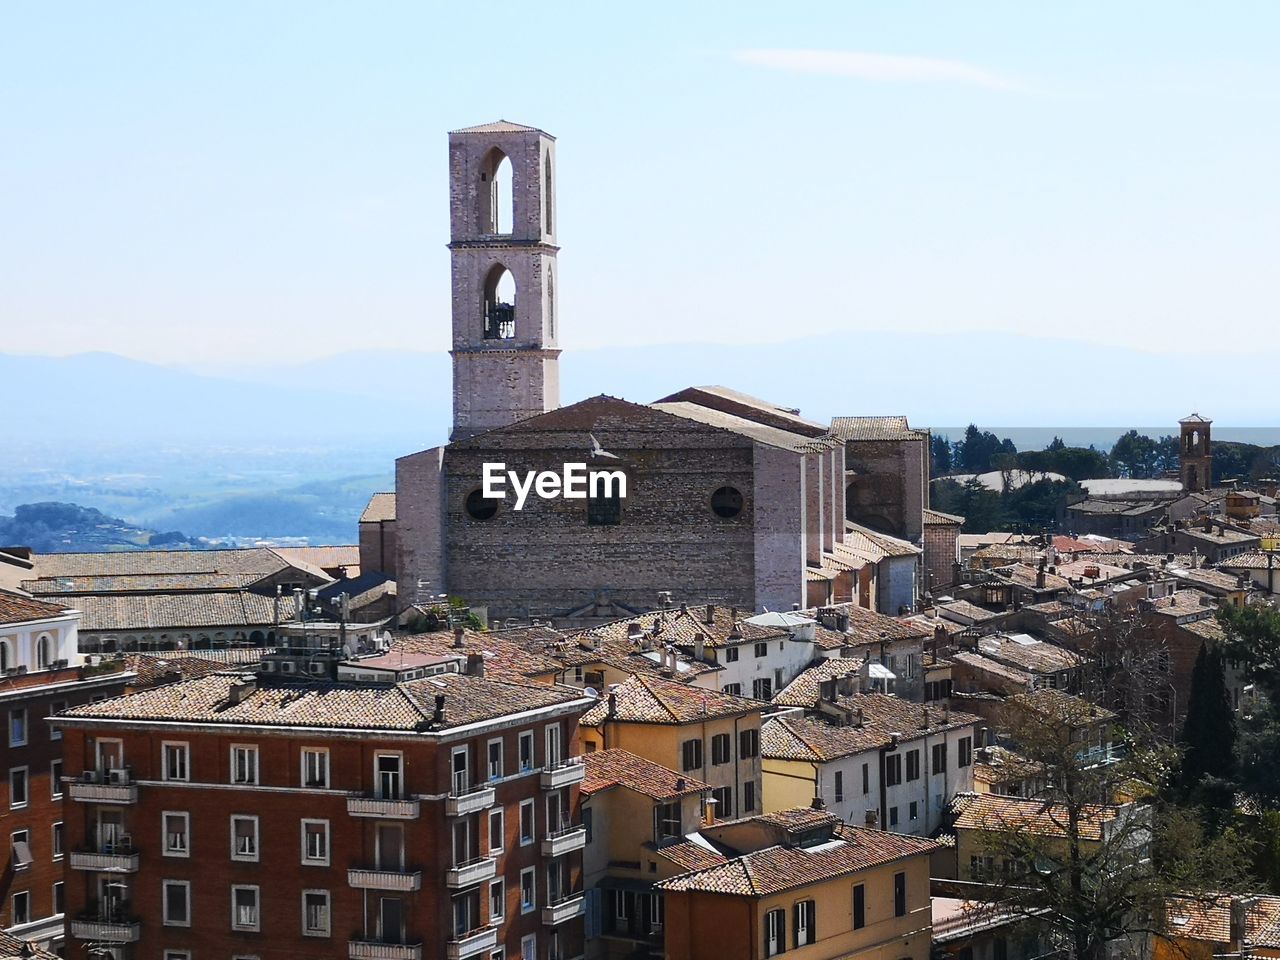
x=573 y=905
x=471 y=872
x=114 y=923
x=377 y=950
x=383 y=808
x=107 y=858
x=563 y=774
x=567 y=839
x=472 y=943
x=104 y=786
x=465 y=799
x=403 y=881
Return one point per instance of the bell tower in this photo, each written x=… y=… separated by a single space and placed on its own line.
x=502 y=242
x=1195 y=453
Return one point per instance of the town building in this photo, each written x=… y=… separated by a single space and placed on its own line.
x=42 y=673
x=800 y=880
x=1201 y=927
x=941 y=550
x=268 y=815
x=1195 y=456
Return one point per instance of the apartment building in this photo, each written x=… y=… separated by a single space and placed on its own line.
x=276 y=816
x=41 y=673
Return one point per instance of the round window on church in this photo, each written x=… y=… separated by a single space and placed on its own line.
x=480 y=508
x=727 y=502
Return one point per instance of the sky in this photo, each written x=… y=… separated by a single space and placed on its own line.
x=222 y=184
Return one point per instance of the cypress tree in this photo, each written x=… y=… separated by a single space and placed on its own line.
x=1209 y=731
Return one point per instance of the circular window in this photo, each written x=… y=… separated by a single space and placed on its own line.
x=727 y=502
x=480 y=508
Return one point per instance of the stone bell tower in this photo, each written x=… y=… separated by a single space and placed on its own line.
x=502 y=240
x=1195 y=454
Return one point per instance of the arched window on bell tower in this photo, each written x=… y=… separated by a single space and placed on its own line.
x=546 y=196
x=497 y=201
x=499 y=304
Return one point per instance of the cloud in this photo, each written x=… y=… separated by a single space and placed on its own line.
x=879 y=67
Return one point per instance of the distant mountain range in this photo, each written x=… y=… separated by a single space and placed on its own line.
x=991 y=379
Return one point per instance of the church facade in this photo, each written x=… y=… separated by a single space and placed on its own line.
x=729 y=499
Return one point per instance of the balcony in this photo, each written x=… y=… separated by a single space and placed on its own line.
x=401 y=881
x=377 y=950
x=471 y=944
x=117 y=858
x=112 y=924
x=564 y=910
x=466 y=800
x=563 y=774
x=565 y=840
x=104 y=786
x=359 y=805
x=470 y=873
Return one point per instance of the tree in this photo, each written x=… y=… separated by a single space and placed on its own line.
x=1253 y=638
x=940 y=452
x=1136 y=455
x=1209 y=731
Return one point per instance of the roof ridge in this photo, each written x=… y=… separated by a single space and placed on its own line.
x=644 y=682
x=795 y=733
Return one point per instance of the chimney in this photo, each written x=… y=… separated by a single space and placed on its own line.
x=711 y=613
x=699 y=646
x=633 y=631
x=827 y=691
x=1240 y=907
x=817 y=803
x=475 y=664
x=873 y=820
x=438 y=716
x=458 y=634
x=710 y=816
x=240 y=690
x=795 y=608
x=613 y=704
x=684 y=608
x=858 y=718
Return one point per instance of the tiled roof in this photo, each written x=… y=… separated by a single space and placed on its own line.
x=17 y=609
x=776 y=869
x=1209 y=629
x=1251 y=561
x=178 y=611
x=938 y=518
x=682 y=627
x=174 y=664
x=502 y=657
x=15 y=948
x=326 y=558
x=211 y=582
x=759 y=432
x=799 y=738
x=864 y=538
x=688 y=855
x=381 y=506
x=874 y=428
x=615 y=767
x=981 y=664
x=1184 y=603
x=1028 y=653
x=749 y=407
x=866 y=626
x=967 y=610
x=254 y=560
x=1213 y=579
x=1208 y=918
x=501 y=126
x=993 y=812
x=656 y=700
x=998 y=552
x=1027 y=576
x=1065 y=707
x=407 y=706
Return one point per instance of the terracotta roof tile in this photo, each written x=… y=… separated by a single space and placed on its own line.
x=688 y=855
x=503 y=657
x=615 y=767
x=381 y=506
x=874 y=428
x=18 y=609
x=657 y=700
x=993 y=812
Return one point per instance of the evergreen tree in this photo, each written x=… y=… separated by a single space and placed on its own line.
x=1209 y=731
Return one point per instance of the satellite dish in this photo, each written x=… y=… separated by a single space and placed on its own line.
x=591 y=691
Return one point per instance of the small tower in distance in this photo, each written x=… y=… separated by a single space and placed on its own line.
x=502 y=242
x=1196 y=455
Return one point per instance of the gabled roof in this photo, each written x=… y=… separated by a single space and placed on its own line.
x=381 y=507
x=759 y=432
x=616 y=767
x=993 y=812
x=936 y=518
x=1195 y=418
x=657 y=700
x=500 y=126
x=748 y=407
x=682 y=627
x=874 y=428
x=19 y=609
x=503 y=657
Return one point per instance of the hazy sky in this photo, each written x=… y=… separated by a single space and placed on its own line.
x=227 y=182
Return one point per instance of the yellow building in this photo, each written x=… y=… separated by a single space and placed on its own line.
x=808 y=886
x=702 y=733
x=1200 y=928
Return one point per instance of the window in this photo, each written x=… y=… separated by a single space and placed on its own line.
x=315 y=842
x=59 y=901
x=892 y=769
x=388 y=775
x=899 y=894
x=497 y=900
x=244 y=838
x=528 y=891
x=479 y=507
x=938 y=758
x=748 y=744
x=720 y=752
x=723 y=796
x=174 y=761
x=244 y=763
x=668 y=815
x=966 y=751
x=775 y=932
x=55 y=778
x=859 y=906
x=691 y=753
x=806 y=915
x=761 y=650
x=749 y=796
x=55 y=708
x=57 y=840
x=913 y=765
x=497 y=831
x=176 y=900
x=839 y=786
x=893 y=816
x=726 y=502
x=866 y=779
x=604 y=504
x=586 y=821
x=762 y=688
x=526 y=751
x=526 y=822
x=20 y=849
x=18 y=727
x=733 y=689
x=177 y=955
x=529 y=947
x=315 y=913
x=175 y=836
x=21 y=908
x=731 y=654
x=315 y=767
x=244 y=908
x=914 y=810
x=18 y=787
x=495 y=759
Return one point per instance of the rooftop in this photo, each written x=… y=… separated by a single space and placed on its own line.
x=993 y=812
x=875 y=428
x=612 y=768
x=642 y=699
x=381 y=507
x=19 y=609
x=801 y=738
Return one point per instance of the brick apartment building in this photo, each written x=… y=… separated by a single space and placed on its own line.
x=425 y=814
x=41 y=673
